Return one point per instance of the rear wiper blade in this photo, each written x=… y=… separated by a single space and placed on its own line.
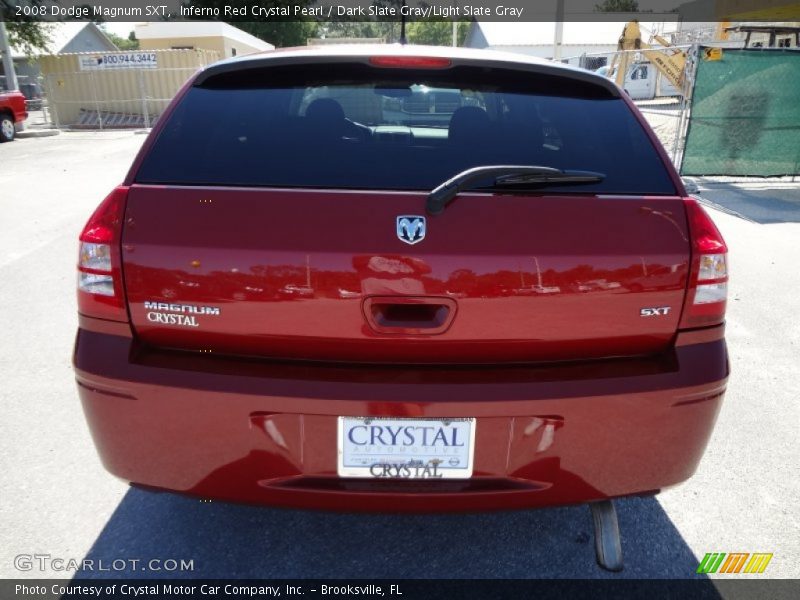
x=564 y=177
x=507 y=175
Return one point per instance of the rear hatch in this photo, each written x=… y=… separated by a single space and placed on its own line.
x=281 y=213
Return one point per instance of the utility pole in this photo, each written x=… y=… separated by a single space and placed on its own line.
x=8 y=61
x=455 y=26
x=559 y=33
x=403 y=40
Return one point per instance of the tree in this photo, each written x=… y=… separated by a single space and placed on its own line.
x=280 y=33
x=28 y=36
x=623 y=6
x=279 y=30
x=388 y=30
x=436 y=33
x=350 y=27
x=24 y=32
x=129 y=43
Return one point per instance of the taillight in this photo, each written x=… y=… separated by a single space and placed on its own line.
x=411 y=62
x=99 y=262
x=707 y=294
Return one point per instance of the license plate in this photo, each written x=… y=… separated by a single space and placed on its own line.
x=389 y=448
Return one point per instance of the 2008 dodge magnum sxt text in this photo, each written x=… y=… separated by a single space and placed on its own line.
x=405 y=279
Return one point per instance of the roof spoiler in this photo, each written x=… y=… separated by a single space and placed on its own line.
x=260 y=61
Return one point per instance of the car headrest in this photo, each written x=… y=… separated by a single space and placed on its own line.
x=469 y=124
x=325 y=109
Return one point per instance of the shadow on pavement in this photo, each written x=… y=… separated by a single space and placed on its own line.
x=780 y=204
x=237 y=541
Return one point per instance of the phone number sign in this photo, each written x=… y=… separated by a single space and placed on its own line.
x=119 y=60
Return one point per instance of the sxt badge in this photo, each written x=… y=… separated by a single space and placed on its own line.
x=656 y=311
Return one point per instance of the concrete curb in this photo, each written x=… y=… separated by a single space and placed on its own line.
x=34 y=133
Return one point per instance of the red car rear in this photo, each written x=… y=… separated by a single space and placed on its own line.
x=13 y=112
x=275 y=308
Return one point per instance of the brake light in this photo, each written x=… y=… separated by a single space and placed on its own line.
x=99 y=262
x=410 y=62
x=707 y=294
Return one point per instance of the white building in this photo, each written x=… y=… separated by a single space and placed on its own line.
x=220 y=37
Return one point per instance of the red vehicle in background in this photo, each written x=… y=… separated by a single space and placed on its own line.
x=13 y=112
x=326 y=297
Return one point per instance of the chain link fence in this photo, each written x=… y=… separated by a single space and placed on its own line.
x=661 y=91
x=135 y=99
x=113 y=90
x=745 y=114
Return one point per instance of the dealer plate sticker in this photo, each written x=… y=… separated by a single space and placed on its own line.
x=389 y=448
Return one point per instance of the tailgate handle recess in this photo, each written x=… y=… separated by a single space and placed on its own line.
x=409 y=315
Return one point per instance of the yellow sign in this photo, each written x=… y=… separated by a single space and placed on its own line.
x=712 y=53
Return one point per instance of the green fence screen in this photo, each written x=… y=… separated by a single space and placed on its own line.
x=745 y=115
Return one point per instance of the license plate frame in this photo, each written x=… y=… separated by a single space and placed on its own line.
x=369 y=463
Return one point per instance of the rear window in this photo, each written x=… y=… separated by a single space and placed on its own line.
x=357 y=127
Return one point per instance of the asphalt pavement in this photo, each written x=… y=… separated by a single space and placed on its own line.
x=58 y=500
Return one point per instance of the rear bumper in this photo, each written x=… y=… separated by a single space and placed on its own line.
x=260 y=432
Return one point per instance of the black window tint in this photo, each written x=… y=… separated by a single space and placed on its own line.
x=410 y=131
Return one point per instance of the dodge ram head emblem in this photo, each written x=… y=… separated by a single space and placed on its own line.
x=411 y=228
